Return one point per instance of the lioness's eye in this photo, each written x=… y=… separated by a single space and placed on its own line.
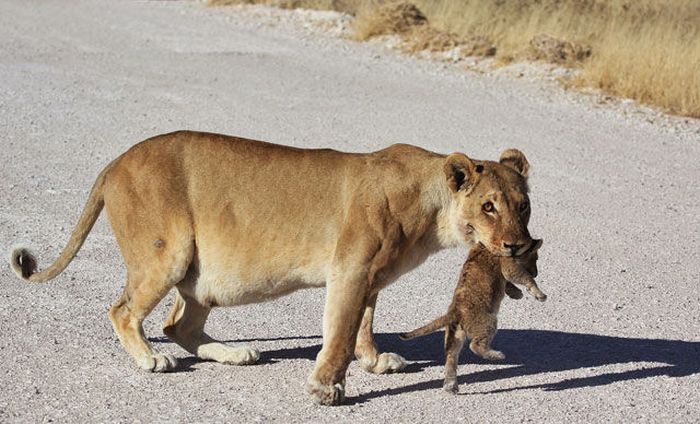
x=524 y=206
x=487 y=207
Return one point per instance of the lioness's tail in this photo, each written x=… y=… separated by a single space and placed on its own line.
x=24 y=263
x=427 y=328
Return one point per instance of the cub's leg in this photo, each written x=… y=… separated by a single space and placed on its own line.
x=517 y=275
x=512 y=291
x=482 y=334
x=454 y=340
x=535 y=291
x=366 y=350
x=185 y=326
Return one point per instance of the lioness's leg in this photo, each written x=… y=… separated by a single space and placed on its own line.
x=454 y=340
x=345 y=302
x=185 y=326
x=156 y=238
x=153 y=271
x=366 y=348
x=127 y=315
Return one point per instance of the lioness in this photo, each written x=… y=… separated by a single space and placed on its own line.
x=230 y=221
x=476 y=301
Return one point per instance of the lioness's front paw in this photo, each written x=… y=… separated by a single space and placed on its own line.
x=323 y=394
x=231 y=355
x=386 y=363
x=157 y=362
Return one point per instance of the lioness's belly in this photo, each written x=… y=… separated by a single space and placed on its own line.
x=215 y=290
x=230 y=279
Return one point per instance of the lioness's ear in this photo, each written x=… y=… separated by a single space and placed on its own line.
x=515 y=159
x=461 y=173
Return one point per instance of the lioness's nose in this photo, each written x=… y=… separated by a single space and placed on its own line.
x=514 y=248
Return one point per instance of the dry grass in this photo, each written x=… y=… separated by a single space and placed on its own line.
x=409 y=22
x=647 y=50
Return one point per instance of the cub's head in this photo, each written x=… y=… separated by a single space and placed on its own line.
x=489 y=202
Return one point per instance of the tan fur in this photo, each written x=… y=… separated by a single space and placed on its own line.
x=477 y=299
x=229 y=221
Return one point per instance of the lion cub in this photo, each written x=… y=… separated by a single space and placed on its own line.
x=484 y=280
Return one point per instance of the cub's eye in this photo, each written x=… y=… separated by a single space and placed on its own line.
x=524 y=206
x=487 y=207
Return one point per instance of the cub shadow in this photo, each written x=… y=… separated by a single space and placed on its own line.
x=531 y=352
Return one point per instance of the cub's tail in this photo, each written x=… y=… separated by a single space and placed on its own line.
x=426 y=329
x=23 y=261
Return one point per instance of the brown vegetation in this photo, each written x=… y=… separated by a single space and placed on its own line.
x=647 y=50
x=406 y=20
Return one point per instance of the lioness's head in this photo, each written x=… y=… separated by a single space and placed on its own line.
x=489 y=201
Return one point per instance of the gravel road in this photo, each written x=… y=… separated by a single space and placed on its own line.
x=616 y=199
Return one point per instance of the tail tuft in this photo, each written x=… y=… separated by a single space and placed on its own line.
x=23 y=262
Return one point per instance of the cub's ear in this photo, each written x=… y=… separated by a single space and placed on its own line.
x=537 y=244
x=515 y=160
x=461 y=172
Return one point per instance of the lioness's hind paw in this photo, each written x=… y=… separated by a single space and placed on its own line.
x=495 y=355
x=323 y=394
x=230 y=355
x=158 y=362
x=390 y=362
x=387 y=363
x=243 y=355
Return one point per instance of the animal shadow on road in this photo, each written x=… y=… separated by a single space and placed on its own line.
x=529 y=352
x=532 y=352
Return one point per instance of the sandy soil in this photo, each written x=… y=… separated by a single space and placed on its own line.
x=615 y=196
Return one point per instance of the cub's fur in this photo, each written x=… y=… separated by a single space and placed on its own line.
x=476 y=301
x=228 y=221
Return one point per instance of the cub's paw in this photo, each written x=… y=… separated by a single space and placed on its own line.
x=157 y=362
x=386 y=363
x=494 y=355
x=450 y=385
x=537 y=293
x=327 y=395
x=513 y=292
